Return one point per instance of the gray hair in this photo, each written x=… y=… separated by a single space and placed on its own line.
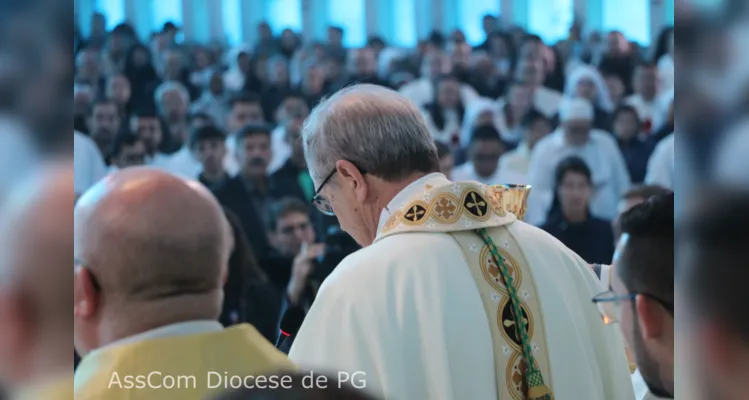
x=169 y=86
x=373 y=127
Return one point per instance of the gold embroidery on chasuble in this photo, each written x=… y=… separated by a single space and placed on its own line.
x=445 y=209
x=511 y=368
x=475 y=206
x=509 y=325
x=416 y=213
x=490 y=269
x=464 y=210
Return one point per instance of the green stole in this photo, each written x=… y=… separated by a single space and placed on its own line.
x=476 y=216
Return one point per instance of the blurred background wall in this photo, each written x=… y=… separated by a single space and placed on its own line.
x=400 y=22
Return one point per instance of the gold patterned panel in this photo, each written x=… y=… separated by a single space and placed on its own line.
x=445 y=208
x=491 y=271
x=416 y=213
x=475 y=205
x=393 y=221
x=516 y=370
x=508 y=322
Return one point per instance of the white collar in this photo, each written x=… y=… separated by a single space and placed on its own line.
x=177 y=329
x=407 y=192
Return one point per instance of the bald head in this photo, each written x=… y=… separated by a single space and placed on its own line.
x=147 y=236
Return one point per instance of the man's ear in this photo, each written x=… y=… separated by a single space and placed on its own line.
x=650 y=316
x=86 y=296
x=352 y=176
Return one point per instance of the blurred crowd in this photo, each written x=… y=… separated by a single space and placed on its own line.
x=587 y=121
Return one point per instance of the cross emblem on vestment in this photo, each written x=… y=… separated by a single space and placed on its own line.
x=415 y=213
x=477 y=204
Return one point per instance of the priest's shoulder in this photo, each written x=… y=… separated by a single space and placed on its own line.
x=531 y=238
x=394 y=255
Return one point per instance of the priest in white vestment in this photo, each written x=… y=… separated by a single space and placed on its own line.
x=426 y=310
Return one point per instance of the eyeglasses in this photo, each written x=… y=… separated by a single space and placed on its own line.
x=610 y=305
x=320 y=201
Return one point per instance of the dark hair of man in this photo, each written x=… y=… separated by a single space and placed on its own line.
x=716 y=237
x=645 y=192
x=443 y=150
x=206 y=133
x=572 y=165
x=123 y=139
x=293 y=94
x=199 y=115
x=373 y=41
x=485 y=133
x=169 y=26
x=284 y=207
x=336 y=29
x=145 y=111
x=253 y=129
x=646 y=263
x=243 y=98
x=100 y=101
x=625 y=108
x=532 y=38
x=436 y=39
x=531 y=117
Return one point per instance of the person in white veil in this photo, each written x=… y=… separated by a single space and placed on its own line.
x=586 y=82
x=234 y=78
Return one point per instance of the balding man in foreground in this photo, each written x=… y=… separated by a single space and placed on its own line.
x=452 y=297
x=35 y=286
x=151 y=255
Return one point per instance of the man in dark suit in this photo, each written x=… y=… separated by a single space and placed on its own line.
x=248 y=194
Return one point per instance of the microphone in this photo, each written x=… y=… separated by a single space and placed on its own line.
x=290 y=323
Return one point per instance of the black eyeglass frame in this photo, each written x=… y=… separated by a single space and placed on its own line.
x=321 y=202
x=609 y=296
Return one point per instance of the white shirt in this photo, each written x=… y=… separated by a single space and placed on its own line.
x=467 y=172
x=661 y=164
x=88 y=163
x=421 y=92
x=406 y=312
x=646 y=110
x=666 y=72
x=183 y=163
x=280 y=148
x=508 y=133
x=448 y=131
x=547 y=101
x=513 y=166
x=641 y=388
x=609 y=171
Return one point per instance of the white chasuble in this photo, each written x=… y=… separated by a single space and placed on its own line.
x=428 y=311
